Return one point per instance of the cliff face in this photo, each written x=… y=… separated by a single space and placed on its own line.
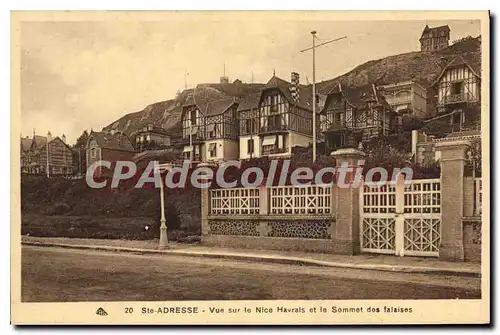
x=423 y=67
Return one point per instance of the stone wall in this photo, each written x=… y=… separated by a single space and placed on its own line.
x=276 y=232
x=472 y=239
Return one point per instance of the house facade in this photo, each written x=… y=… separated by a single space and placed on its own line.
x=434 y=39
x=46 y=155
x=459 y=92
x=407 y=97
x=274 y=121
x=151 y=138
x=108 y=146
x=356 y=114
x=210 y=130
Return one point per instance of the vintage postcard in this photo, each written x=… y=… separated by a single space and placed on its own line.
x=205 y=168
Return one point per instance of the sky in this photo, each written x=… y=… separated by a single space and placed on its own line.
x=78 y=75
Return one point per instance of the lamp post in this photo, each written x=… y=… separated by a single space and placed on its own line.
x=159 y=168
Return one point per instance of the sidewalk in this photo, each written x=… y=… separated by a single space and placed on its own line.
x=364 y=261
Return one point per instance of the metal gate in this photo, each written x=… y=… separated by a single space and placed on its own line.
x=401 y=219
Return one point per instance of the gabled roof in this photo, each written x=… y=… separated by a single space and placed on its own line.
x=219 y=106
x=305 y=95
x=435 y=29
x=39 y=141
x=109 y=141
x=358 y=97
x=251 y=101
x=472 y=60
x=25 y=144
x=210 y=105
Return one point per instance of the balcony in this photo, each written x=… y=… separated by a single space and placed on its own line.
x=456 y=98
x=276 y=128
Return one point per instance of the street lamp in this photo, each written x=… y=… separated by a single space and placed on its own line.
x=159 y=168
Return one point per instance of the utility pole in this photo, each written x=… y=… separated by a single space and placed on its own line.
x=185 y=79
x=314 y=46
x=47 y=149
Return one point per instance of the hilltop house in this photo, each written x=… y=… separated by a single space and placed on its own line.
x=434 y=39
x=46 y=155
x=151 y=138
x=275 y=120
x=356 y=114
x=108 y=146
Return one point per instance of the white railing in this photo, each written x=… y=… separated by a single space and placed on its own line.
x=423 y=197
x=234 y=201
x=478 y=196
x=312 y=199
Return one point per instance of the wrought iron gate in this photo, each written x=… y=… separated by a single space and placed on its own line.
x=401 y=219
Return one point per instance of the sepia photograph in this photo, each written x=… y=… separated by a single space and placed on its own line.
x=250 y=167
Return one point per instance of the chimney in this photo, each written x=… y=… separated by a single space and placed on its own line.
x=49 y=136
x=294 y=87
x=63 y=138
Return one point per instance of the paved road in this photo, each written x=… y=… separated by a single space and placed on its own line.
x=54 y=274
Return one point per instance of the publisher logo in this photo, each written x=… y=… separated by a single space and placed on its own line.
x=101 y=311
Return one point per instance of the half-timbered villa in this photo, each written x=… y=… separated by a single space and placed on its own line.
x=46 y=155
x=276 y=120
x=356 y=114
x=459 y=91
x=210 y=129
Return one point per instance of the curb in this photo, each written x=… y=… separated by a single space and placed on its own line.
x=266 y=259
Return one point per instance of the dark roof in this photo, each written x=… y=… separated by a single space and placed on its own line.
x=471 y=60
x=156 y=130
x=251 y=101
x=434 y=29
x=39 y=140
x=111 y=141
x=25 y=143
x=219 y=106
x=209 y=106
x=358 y=97
x=305 y=94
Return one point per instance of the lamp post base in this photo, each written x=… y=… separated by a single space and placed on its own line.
x=163 y=238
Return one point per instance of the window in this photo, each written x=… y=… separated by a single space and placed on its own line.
x=337 y=118
x=193 y=117
x=93 y=152
x=268 y=145
x=456 y=88
x=250 y=146
x=267 y=149
x=250 y=126
x=456 y=117
x=212 y=150
x=211 y=130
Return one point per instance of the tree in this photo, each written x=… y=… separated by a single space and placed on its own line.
x=79 y=152
x=473 y=163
